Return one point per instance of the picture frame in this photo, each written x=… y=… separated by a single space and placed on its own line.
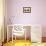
x=26 y=9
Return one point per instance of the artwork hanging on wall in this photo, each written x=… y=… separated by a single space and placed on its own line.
x=26 y=9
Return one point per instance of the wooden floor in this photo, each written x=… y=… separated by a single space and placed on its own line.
x=23 y=43
x=43 y=39
x=18 y=43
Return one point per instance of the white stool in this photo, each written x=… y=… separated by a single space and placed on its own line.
x=17 y=32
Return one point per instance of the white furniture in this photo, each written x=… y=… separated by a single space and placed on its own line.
x=36 y=33
x=17 y=30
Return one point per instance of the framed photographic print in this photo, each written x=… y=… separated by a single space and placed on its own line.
x=26 y=9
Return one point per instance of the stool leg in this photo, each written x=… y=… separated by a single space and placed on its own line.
x=7 y=34
x=25 y=36
x=15 y=38
x=2 y=44
x=12 y=36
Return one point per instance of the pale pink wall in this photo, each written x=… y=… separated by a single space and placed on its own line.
x=37 y=15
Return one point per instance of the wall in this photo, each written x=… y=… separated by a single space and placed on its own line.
x=37 y=15
x=1 y=19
